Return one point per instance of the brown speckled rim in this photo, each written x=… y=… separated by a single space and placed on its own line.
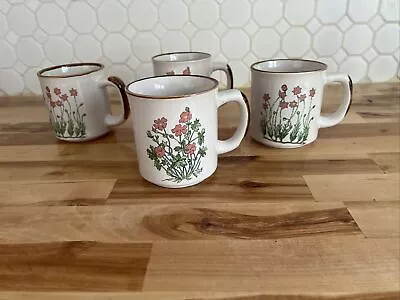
x=323 y=66
x=40 y=73
x=155 y=58
x=145 y=96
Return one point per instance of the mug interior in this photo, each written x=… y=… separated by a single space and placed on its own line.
x=70 y=70
x=289 y=66
x=170 y=87
x=181 y=56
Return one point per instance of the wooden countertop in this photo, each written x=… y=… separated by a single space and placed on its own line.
x=321 y=222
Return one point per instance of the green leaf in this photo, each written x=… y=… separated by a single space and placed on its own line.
x=177 y=148
x=187 y=109
x=149 y=134
x=196 y=125
x=201 y=138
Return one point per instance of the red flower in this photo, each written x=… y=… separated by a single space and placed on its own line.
x=284 y=87
x=53 y=103
x=179 y=129
x=293 y=104
x=186 y=71
x=312 y=92
x=73 y=92
x=186 y=116
x=266 y=97
x=59 y=103
x=64 y=97
x=160 y=124
x=302 y=97
x=265 y=105
x=283 y=104
x=48 y=95
x=297 y=90
x=57 y=91
x=190 y=149
x=47 y=89
x=282 y=95
x=170 y=73
x=160 y=151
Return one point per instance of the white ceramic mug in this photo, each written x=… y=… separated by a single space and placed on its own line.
x=175 y=127
x=189 y=63
x=287 y=99
x=78 y=105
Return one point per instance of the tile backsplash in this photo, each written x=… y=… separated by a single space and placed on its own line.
x=359 y=37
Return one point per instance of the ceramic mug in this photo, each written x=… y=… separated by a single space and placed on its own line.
x=76 y=97
x=287 y=99
x=189 y=63
x=175 y=127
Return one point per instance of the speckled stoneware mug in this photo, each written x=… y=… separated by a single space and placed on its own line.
x=175 y=127
x=76 y=97
x=287 y=99
x=190 y=63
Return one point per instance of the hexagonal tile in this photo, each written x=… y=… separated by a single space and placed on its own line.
x=370 y=55
x=267 y=13
x=382 y=69
x=265 y=43
x=112 y=15
x=7 y=57
x=21 y=20
x=145 y=45
x=235 y=44
x=3 y=26
x=376 y=22
x=58 y=50
x=173 y=13
x=129 y=31
x=220 y=28
x=206 y=41
x=361 y=10
x=332 y=66
x=235 y=13
x=313 y=26
x=299 y=12
x=390 y=10
x=87 y=48
x=116 y=48
x=204 y=13
x=327 y=40
x=357 y=39
x=329 y=11
x=4 y=6
x=144 y=70
x=355 y=66
x=31 y=80
x=241 y=73
x=99 y=33
x=387 y=38
x=174 y=41
x=51 y=18
x=296 y=42
x=30 y=52
x=143 y=14
x=11 y=82
x=189 y=29
x=81 y=17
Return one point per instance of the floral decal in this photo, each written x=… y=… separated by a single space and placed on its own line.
x=184 y=72
x=66 y=117
x=178 y=151
x=287 y=118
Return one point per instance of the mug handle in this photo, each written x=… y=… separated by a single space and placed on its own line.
x=233 y=142
x=219 y=66
x=116 y=82
x=341 y=112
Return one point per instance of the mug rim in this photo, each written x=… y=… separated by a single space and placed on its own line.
x=147 y=96
x=40 y=73
x=154 y=58
x=323 y=66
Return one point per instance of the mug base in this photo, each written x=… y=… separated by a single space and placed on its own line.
x=82 y=140
x=279 y=145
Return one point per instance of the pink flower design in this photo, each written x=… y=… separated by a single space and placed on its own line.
x=57 y=91
x=284 y=87
x=190 y=149
x=59 y=103
x=160 y=151
x=265 y=105
x=293 y=104
x=186 y=116
x=312 y=92
x=297 y=90
x=160 y=124
x=48 y=95
x=53 y=103
x=302 y=97
x=282 y=95
x=283 y=104
x=64 y=97
x=170 y=73
x=179 y=129
x=186 y=71
x=266 y=97
x=73 y=92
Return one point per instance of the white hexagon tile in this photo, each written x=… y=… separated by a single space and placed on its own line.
x=359 y=37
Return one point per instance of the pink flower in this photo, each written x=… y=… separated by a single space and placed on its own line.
x=297 y=90
x=179 y=129
x=302 y=97
x=160 y=151
x=186 y=71
x=266 y=97
x=312 y=92
x=73 y=92
x=160 y=124
x=47 y=89
x=57 y=91
x=186 y=116
x=59 y=103
x=170 y=73
x=64 y=97
x=265 y=105
x=293 y=104
x=190 y=149
x=283 y=104
x=282 y=95
x=48 y=95
x=284 y=87
x=53 y=103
